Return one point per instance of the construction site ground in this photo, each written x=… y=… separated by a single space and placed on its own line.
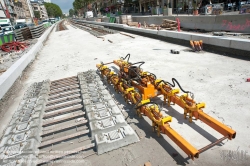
x=217 y=80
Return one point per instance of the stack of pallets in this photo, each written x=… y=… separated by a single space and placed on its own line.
x=37 y=31
x=125 y=19
x=23 y=34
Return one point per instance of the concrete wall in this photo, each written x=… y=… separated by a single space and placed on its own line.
x=8 y=78
x=233 y=23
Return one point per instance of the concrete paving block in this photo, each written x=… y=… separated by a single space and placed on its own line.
x=23 y=136
x=106 y=125
x=20 y=160
x=241 y=44
x=115 y=139
x=24 y=148
x=101 y=111
x=109 y=104
x=102 y=98
x=22 y=127
x=220 y=41
x=183 y=35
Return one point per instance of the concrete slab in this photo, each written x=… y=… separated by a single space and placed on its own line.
x=115 y=139
x=107 y=124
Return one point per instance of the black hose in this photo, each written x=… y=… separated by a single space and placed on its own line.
x=138 y=76
x=152 y=74
x=173 y=80
x=151 y=102
x=141 y=63
x=128 y=55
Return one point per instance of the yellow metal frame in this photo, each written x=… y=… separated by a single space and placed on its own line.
x=151 y=88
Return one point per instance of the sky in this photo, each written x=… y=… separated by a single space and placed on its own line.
x=65 y=5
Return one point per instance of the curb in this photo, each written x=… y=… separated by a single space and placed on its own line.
x=8 y=78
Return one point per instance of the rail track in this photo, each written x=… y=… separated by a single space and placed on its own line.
x=61 y=26
x=74 y=116
x=95 y=30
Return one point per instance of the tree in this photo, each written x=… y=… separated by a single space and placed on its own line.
x=37 y=14
x=71 y=12
x=83 y=5
x=53 y=10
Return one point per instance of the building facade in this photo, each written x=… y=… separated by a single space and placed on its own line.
x=39 y=7
x=19 y=10
x=2 y=9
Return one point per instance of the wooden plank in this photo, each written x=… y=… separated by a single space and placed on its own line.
x=63 y=85
x=73 y=151
x=63 y=111
x=67 y=103
x=69 y=117
x=62 y=99
x=62 y=94
x=57 y=129
x=68 y=78
x=50 y=142
x=64 y=89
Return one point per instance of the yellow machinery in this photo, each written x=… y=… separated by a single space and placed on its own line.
x=138 y=87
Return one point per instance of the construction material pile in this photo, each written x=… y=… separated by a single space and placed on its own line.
x=125 y=19
x=14 y=46
x=169 y=24
x=37 y=31
x=23 y=34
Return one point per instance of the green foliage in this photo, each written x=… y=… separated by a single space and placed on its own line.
x=37 y=14
x=71 y=12
x=78 y=4
x=53 y=10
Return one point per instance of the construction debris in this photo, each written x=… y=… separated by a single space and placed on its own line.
x=127 y=35
x=132 y=24
x=169 y=24
x=101 y=37
x=175 y=52
x=14 y=46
